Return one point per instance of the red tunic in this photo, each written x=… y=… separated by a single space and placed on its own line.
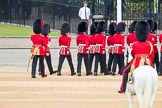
x=160 y=40
x=100 y=40
x=47 y=40
x=110 y=43
x=131 y=38
x=92 y=44
x=118 y=43
x=82 y=41
x=142 y=52
x=153 y=39
x=64 y=43
x=38 y=44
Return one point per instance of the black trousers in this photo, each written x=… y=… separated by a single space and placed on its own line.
x=156 y=61
x=49 y=64
x=61 y=60
x=102 y=59
x=86 y=62
x=34 y=64
x=118 y=59
x=110 y=61
x=125 y=72
x=91 y=57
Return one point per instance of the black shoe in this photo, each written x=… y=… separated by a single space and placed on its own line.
x=44 y=75
x=53 y=72
x=95 y=73
x=79 y=74
x=90 y=73
x=58 y=74
x=113 y=74
x=109 y=73
x=121 y=91
x=72 y=74
x=160 y=74
x=33 y=76
x=105 y=73
x=40 y=73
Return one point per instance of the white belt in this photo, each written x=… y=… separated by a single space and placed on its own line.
x=82 y=44
x=111 y=46
x=155 y=44
x=117 y=44
x=98 y=44
x=62 y=46
x=92 y=45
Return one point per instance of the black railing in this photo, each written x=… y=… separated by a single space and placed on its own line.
x=56 y=12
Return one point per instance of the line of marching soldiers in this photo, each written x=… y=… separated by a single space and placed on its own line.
x=90 y=47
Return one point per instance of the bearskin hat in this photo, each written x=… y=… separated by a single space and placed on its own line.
x=132 y=26
x=37 y=25
x=101 y=27
x=65 y=28
x=152 y=25
x=120 y=27
x=82 y=27
x=142 y=30
x=112 y=28
x=93 y=28
x=45 y=29
x=155 y=27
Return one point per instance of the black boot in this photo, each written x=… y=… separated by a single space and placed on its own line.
x=53 y=72
x=73 y=73
x=95 y=73
x=79 y=74
x=113 y=73
x=44 y=75
x=33 y=76
x=58 y=73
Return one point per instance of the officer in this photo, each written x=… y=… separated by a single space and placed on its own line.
x=38 y=48
x=142 y=52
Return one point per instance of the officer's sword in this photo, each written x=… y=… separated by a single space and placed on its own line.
x=30 y=57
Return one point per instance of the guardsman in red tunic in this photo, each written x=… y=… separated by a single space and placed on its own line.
x=100 y=51
x=160 y=64
x=64 y=43
x=118 y=51
x=142 y=52
x=110 y=45
x=38 y=49
x=47 y=40
x=153 y=39
x=82 y=41
x=131 y=38
x=92 y=44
